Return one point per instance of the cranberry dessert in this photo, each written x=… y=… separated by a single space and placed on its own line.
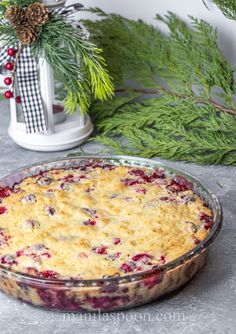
x=106 y=228
x=140 y=214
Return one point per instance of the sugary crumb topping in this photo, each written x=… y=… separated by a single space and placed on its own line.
x=99 y=220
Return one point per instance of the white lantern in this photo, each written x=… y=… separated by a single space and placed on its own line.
x=63 y=132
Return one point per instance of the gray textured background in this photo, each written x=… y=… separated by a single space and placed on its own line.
x=206 y=305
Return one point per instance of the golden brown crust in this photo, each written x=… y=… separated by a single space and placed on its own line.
x=98 y=221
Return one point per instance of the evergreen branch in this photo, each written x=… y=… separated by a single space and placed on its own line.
x=186 y=83
x=228 y=7
x=77 y=62
x=156 y=91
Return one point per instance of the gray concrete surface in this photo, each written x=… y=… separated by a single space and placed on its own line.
x=206 y=305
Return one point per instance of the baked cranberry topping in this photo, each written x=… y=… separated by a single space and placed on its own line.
x=196 y=241
x=162 y=259
x=137 y=172
x=128 y=267
x=90 y=223
x=50 y=210
x=48 y=274
x=8 y=259
x=141 y=191
x=20 y=252
x=179 y=183
x=142 y=256
x=3 y=210
x=116 y=241
x=207 y=219
x=167 y=199
x=47 y=254
x=102 y=250
x=132 y=182
x=68 y=178
x=5 y=192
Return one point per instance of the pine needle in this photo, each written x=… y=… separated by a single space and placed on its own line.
x=187 y=113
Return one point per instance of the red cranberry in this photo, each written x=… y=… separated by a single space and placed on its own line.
x=3 y=210
x=11 y=52
x=8 y=81
x=207 y=219
x=9 y=66
x=8 y=259
x=116 y=241
x=128 y=267
x=20 y=252
x=102 y=250
x=142 y=256
x=131 y=182
x=8 y=94
x=50 y=210
x=137 y=172
x=90 y=223
x=179 y=183
x=141 y=191
x=48 y=274
x=5 y=192
x=47 y=254
x=196 y=241
x=162 y=259
x=18 y=99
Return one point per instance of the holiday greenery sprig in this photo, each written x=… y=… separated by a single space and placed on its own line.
x=78 y=63
x=184 y=85
x=228 y=7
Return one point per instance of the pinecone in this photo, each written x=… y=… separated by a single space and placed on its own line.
x=37 y=14
x=15 y=15
x=26 y=34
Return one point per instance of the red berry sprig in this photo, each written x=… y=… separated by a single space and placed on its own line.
x=11 y=52
x=8 y=94
x=9 y=66
x=18 y=99
x=8 y=81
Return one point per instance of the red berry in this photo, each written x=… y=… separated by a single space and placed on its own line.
x=8 y=81
x=8 y=94
x=11 y=52
x=18 y=99
x=9 y=66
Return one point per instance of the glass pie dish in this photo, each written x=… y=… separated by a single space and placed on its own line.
x=119 y=291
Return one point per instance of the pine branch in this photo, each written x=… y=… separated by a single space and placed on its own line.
x=186 y=83
x=228 y=7
x=65 y=51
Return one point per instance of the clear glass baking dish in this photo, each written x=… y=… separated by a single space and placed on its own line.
x=112 y=293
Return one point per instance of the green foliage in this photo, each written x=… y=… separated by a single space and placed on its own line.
x=228 y=8
x=78 y=64
x=186 y=115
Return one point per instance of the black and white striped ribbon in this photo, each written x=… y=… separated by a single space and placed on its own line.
x=28 y=81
